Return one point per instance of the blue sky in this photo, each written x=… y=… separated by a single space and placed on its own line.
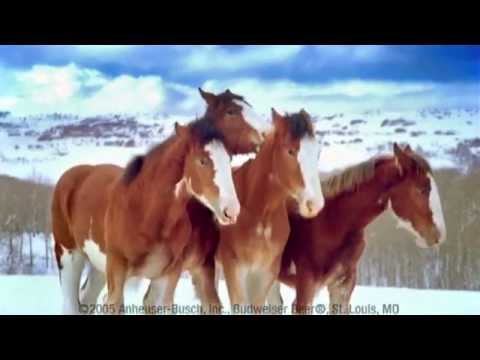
x=102 y=79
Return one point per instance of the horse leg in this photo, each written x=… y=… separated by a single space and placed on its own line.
x=116 y=276
x=305 y=286
x=92 y=288
x=340 y=293
x=259 y=286
x=235 y=278
x=341 y=287
x=218 y=271
x=70 y=264
x=274 y=296
x=161 y=293
x=204 y=282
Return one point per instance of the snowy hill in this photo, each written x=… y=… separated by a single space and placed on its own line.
x=41 y=295
x=47 y=145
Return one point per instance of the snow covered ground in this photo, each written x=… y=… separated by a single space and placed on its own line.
x=21 y=294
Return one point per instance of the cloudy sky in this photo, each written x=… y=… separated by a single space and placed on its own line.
x=323 y=79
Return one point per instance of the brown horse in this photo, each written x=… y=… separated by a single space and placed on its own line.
x=199 y=253
x=325 y=251
x=83 y=193
x=285 y=167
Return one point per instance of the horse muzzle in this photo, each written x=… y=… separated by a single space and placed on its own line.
x=309 y=207
x=228 y=212
x=436 y=236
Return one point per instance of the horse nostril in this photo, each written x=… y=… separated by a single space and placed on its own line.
x=226 y=214
x=309 y=205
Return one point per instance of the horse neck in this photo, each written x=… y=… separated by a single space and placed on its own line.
x=370 y=199
x=163 y=169
x=261 y=192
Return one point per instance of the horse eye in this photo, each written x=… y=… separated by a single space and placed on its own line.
x=203 y=162
x=231 y=112
x=291 y=152
x=424 y=191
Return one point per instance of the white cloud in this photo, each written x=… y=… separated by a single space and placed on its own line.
x=8 y=102
x=190 y=101
x=352 y=53
x=49 y=85
x=102 y=52
x=72 y=89
x=83 y=91
x=344 y=96
x=126 y=94
x=217 y=58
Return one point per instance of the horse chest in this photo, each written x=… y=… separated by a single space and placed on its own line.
x=263 y=231
x=267 y=239
x=153 y=264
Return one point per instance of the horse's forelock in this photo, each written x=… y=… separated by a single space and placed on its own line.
x=229 y=97
x=421 y=163
x=299 y=125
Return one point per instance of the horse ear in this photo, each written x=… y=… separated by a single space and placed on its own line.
x=278 y=121
x=402 y=158
x=304 y=113
x=208 y=97
x=181 y=130
x=275 y=114
x=396 y=149
x=398 y=153
x=408 y=148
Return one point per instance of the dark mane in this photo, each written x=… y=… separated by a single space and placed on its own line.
x=299 y=125
x=350 y=178
x=203 y=130
x=354 y=176
x=421 y=162
x=133 y=169
x=228 y=96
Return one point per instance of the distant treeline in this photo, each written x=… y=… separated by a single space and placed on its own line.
x=24 y=220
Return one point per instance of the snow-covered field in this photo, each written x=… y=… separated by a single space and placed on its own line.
x=41 y=295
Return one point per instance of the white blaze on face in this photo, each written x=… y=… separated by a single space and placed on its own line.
x=405 y=224
x=252 y=117
x=228 y=200
x=308 y=157
x=436 y=208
